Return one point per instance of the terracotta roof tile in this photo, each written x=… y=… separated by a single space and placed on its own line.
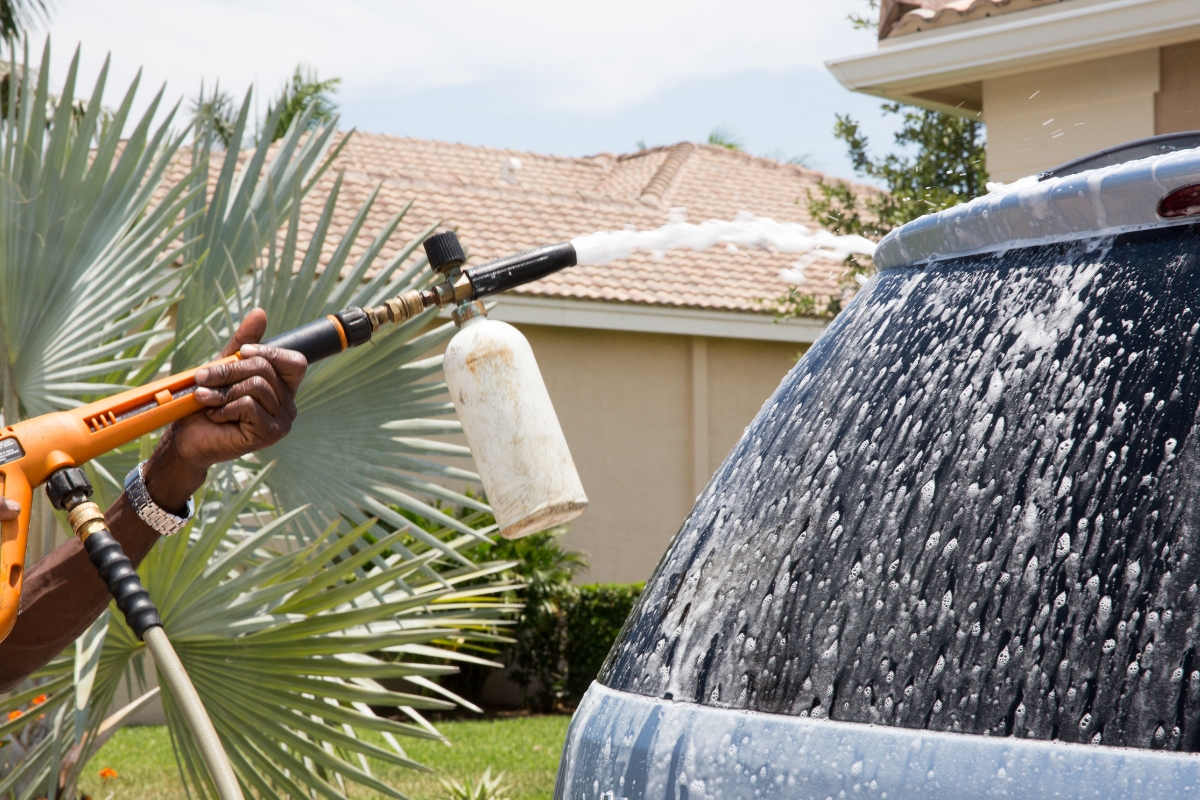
x=900 y=17
x=555 y=199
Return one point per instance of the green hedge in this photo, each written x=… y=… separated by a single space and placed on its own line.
x=593 y=615
x=562 y=637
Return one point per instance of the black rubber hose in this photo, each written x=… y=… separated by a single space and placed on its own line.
x=117 y=572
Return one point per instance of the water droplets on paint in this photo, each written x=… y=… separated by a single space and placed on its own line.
x=1007 y=502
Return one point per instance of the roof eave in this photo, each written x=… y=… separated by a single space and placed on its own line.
x=927 y=63
x=563 y=312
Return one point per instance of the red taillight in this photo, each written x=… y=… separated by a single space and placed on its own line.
x=1183 y=202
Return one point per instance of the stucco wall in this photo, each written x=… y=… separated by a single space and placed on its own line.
x=637 y=409
x=1037 y=120
x=1177 y=106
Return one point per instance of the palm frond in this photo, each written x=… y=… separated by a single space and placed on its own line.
x=233 y=220
x=350 y=404
x=83 y=263
x=291 y=656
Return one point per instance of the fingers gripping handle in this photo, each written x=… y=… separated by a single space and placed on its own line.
x=13 y=538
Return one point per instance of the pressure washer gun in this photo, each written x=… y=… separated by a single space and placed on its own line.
x=523 y=460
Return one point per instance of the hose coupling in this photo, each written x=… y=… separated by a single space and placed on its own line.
x=86 y=519
x=398 y=309
x=407 y=305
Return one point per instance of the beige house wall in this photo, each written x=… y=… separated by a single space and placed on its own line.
x=649 y=418
x=1177 y=106
x=1037 y=120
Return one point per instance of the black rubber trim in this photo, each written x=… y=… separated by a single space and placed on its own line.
x=1129 y=151
x=117 y=572
x=355 y=324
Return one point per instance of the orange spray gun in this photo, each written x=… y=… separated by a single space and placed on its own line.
x=50 y=447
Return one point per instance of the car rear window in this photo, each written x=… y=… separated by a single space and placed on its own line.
x=972 y=506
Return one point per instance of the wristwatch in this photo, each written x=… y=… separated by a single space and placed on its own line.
x=150 y=512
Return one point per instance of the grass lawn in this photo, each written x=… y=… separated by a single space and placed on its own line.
x=527 y=748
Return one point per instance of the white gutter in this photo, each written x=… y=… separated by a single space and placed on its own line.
x=596 y=315
x=1067 y=32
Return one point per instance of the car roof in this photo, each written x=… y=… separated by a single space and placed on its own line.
x=1040 y=210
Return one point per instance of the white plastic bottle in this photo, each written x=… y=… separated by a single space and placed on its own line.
x=511 y=428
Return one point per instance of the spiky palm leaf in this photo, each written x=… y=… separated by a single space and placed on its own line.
x=84 y=277
x=366 y=411
x=288 y=647
x=242 y=211
x=83 y=274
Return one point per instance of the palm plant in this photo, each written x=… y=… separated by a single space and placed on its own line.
x=17 y=16
x=487 y=788
x=725 y=137
x=84 y=278
x=304 y=93
x=303 y=586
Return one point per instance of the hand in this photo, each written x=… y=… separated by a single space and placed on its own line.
x=251 y=405
x=9 y=509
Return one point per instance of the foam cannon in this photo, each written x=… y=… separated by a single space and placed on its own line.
x=506 y=413
x=518 y=445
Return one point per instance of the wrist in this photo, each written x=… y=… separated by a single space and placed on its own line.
x=171 y=479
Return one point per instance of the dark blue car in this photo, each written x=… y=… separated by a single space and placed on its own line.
x=957 y=554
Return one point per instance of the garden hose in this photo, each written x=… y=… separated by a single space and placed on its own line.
x=70 y=490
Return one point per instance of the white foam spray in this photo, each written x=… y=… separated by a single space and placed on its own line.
x=746 y=229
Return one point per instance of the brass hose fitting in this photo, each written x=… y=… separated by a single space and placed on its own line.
x=86 y=519
x=402 y=307
x=407 y=305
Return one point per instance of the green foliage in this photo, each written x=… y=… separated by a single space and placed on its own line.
x=862 y=21
x=725 y=137
x=287 y=622
x=18 y=16
x=595 y=615
x=941 y=164
x=215 y=116
x=803 y=160
x=486 y=788
x=947 y=167
x=304 y=94
x=84 y=287
x=535 y=659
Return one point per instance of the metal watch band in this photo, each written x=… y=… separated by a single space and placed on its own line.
x=158 y=518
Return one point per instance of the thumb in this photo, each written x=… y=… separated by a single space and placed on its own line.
x=9 y=509
x=251 y=331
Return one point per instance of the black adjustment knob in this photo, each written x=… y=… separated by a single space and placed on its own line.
x=355 y=324
x=444 y=252
x=68 y=487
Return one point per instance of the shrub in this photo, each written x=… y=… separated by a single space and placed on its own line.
x=594 y=616
x=564 y=632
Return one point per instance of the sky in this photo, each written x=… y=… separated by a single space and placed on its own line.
x=567 y=78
